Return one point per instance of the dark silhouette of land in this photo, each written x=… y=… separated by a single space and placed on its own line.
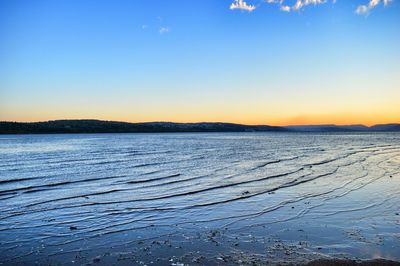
x=99 y=126
x=348 y=128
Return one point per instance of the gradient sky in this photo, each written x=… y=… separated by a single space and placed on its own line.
x=206 y=60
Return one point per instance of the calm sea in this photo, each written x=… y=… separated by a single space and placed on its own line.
x=335 y=195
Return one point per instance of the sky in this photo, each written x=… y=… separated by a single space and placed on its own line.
x=276 y=62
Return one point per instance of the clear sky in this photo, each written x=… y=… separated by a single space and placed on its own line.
x=272 y=62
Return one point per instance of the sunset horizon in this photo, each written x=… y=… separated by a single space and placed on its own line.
x=291 y=122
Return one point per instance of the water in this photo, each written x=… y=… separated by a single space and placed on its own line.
x=135 y=198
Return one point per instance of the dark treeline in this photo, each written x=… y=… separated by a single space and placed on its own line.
x=98 y=126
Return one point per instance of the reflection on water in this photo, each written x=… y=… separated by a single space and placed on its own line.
x=61 y=194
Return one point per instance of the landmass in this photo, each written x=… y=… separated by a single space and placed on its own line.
x=101 y=126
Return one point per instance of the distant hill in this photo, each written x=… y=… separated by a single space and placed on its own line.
x=98 y=126
x=386 y=127
x=347 y=128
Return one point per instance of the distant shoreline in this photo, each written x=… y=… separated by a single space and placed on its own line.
x=100 y=126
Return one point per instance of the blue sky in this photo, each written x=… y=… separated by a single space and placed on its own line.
x=146 y=60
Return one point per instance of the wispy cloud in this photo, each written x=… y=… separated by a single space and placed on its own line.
x=297 y=5
x=158 y=27
x=285 y=6
x=364 y=9
x=242 y=5
x=164 y=30
x=302 y=3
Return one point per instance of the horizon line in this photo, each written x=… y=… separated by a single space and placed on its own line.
x=199 y=122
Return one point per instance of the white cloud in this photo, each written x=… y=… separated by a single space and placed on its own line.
x=297 y=5
x=302 y=3
x=364 y=9
x=242 y=5
x=164 y=30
